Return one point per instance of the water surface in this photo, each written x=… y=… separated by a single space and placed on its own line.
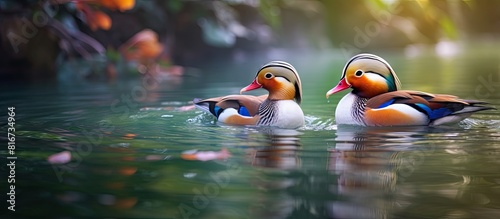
x=127 y=141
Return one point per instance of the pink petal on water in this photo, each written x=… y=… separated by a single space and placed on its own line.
x=60 y=158
x=223 y=154
x=155 y=157
x=186 y=108
x=205 y=155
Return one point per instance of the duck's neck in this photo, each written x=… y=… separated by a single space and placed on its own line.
x=350 y=110
x=282 y=92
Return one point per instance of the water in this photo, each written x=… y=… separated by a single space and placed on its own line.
x=129 y=145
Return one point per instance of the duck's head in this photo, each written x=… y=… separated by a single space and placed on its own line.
x=368 y=75
x=280 y=79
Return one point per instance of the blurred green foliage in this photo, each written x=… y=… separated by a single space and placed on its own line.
x=196 y=32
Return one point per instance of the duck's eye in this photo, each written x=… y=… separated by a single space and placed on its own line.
x=358 y=73
x=268 y=75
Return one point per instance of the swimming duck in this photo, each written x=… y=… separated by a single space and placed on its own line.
x=376 y=98
x=280 y=108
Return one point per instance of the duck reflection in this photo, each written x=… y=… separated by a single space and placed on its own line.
x=279 y=150
x=367 y=163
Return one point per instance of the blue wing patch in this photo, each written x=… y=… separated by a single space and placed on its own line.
x=434 y=114
x=243 y=111
x=217 y=111
x=386 y=103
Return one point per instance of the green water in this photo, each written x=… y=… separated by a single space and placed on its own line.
x=318 y=171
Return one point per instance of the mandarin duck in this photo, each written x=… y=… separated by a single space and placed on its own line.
x=376 y=98
x=280 y=108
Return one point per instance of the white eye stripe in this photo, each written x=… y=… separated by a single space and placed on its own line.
x=376 y=78
x=281 y=79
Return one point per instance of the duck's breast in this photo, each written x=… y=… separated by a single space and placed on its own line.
x=350 y=110
x=285 y=114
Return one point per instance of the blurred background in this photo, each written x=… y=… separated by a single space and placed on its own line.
x=106 y=128
x=64 y=40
